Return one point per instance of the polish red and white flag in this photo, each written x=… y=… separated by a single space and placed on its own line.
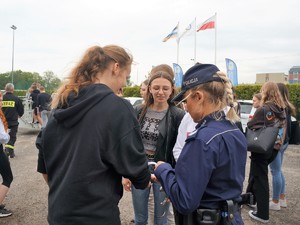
x=207 y=24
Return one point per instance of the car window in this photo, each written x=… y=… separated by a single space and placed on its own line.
x=137 y=102
x=246 y=107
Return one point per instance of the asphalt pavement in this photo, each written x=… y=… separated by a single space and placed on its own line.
x=28 y=194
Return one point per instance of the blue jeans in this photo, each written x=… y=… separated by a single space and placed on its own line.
x=278 y=179
x=140 y=205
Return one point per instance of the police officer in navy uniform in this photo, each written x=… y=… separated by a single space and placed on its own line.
x=13 y=109
x=206 y=185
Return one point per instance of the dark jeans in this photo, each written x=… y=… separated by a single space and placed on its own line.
x=258 y=182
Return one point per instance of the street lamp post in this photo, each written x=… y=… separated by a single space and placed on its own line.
x=13 y=27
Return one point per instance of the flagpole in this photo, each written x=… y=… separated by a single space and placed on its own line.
x=178 y=40
x=195 y=39
x=216 y=39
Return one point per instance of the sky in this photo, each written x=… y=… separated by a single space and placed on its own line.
x=260 y=36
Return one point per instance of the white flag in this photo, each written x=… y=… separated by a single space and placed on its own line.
x=189 y=30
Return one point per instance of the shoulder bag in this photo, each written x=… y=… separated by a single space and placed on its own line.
x=261 y=140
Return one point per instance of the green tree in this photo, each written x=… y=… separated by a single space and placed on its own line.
x=22 y=80
x=50 y=81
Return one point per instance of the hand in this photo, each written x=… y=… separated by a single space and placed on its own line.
x=158 y=164
x=126 y=184
x=153 y=178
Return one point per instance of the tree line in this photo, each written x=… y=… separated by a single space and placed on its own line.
x=23 y=80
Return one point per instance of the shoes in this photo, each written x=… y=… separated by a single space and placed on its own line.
x=254 y=216
x=274 y=206
x=283 y=203
x=10 y=152
x=251 y=206
x=4 y=212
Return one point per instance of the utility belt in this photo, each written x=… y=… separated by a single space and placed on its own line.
x=222 y=216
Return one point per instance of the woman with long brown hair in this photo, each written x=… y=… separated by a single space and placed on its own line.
x=159 y=120
x=91 y=141
x=278 y=179
x=5 y=169
x=271 y=113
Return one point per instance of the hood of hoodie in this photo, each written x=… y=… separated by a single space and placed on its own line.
x=279 y=112
x=78 y=105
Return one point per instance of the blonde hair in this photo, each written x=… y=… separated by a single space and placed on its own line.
x=95 y=60
x=221 y=95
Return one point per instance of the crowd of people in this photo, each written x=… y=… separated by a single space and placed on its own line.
x=11 y=109
x=182 y=155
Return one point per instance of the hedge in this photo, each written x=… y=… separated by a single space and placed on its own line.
x=243 y=91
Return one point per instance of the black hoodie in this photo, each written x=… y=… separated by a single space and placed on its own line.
x=85 y=149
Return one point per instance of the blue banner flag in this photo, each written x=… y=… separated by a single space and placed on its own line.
x=232 y=71
x=178 y=74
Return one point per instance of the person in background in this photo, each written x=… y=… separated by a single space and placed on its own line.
x=159 y=119
x=237 y=108
x=278 y=179
x=271 y=113
x=5 y=170
x=43 y=104
x=91 y=141
x=163 y=67
x=143 y=89
x=200 y=179
x=13 y=108
x=33 y=95
x=256 y=100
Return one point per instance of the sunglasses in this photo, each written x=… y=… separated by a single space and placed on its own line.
x=184 y=100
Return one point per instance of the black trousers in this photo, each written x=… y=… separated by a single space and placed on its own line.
x=258 y=182
x=5 y=169
x=13 y=136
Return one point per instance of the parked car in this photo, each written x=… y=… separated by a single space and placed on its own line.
x=247 y=111
x=134 y=100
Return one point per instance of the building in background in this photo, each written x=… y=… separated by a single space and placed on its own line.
x=275 y=77
x=294 y=75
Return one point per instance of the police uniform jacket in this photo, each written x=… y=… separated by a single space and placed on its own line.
x=210 y=168
x=86 y=148
x=13 y=108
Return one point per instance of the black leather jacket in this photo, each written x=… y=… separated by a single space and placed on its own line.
x=168 y=130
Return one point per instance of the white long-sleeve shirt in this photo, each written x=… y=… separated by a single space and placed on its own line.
x=186 y=126
x=4 y=136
